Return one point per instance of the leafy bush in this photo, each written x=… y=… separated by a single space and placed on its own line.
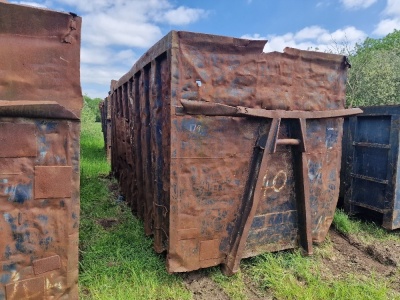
x=92 y=108
x=374 y=78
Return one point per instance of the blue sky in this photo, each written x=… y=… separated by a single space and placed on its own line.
x=116 y=33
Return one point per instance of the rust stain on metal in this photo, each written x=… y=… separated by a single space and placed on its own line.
x=60 y=186
x=224 y=151
x=28 y=73
x=26 y=289
x=47 y=264
x=23 y=146
x=40 y=102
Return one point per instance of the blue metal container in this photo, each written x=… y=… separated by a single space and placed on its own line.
x=370 y=164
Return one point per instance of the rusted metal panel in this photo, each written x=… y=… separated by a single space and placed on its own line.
x=371 y=163
x=236 y=152
x=39 y=56
x=17 y=140
x=26 y=289
x=59 y=176
x=40 y=102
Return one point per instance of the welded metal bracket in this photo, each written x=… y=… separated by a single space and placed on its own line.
x=35 y=109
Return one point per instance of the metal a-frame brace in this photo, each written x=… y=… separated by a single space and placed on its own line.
x=266 y=144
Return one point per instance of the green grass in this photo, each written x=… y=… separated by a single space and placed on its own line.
x=118 y=262
x=233 y=286
x=366 y=231
x=289 y=275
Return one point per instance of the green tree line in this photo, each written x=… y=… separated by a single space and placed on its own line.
x=374 y=77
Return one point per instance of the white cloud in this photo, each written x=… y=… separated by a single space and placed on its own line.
x=387 y=25
x=314 y=38
x=311 y=32
x=346 y=35
x=106 y=55
x=101 y=74
x=182 y=15
x=255 y=36
x=139 y=6
x=96 y=91
x=111 y=28
x=104 y=29
x=131 y=23
x=357 y=4
x=392 y=8
x=29 y=3
x=324 y=3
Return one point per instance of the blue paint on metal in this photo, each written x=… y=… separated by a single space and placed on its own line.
x=331 y=137
x=20 y=193
x=47 y=126
x=11 y=267
x=195 y=127
x=258 y=222
x=42 y=146
x=284 y=233
x=190 y=95
x=42 y=218
x=10 y=220
x=19 y=239
x=371 y=163
x=45 y=242
x=5 y=278
x=314 y=171
x=7 y=252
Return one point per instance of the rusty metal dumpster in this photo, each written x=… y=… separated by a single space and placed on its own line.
x=40 y=103
x=227 y=152
x=370 y=175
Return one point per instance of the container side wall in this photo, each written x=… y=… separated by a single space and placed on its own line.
x=373 y=167
x=192 y=171
x=211 y=155
x=39 y=153
x=50 y=56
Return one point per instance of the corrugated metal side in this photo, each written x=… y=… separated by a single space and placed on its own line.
x=191 y=171
x=140 y=144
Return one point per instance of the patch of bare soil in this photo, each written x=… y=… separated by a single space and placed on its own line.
x=351 y=256
x=114 y=188
x=385 y=252
x=203 y=287
x=106 y=176
x=107 y=223
x=253 y=292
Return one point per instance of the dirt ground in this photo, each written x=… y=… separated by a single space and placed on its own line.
x=347 y=256
x=351 y=256
x=204 y=288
